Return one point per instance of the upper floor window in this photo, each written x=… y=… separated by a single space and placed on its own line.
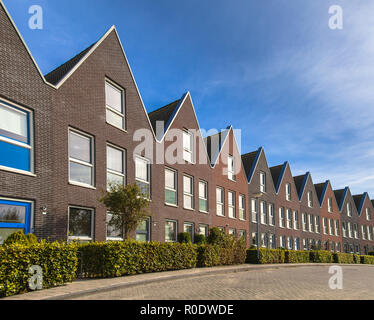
x=331 y=226
x=241 y=207
x=81 y=159
x=349 y=209
x=317 y=226
x=289 y=219
x=188 y=198
x=271 y=215
x=288 y=191
x=295 y=220
x=143 y=175
x=262 y=181
x=368 y=215
x=115 y=165
x=310 y=199
x=16 y=138
x=203 y=196
x=311 y=223
x=171 y=187
x=263 y=211
x=350 y=230
x=329 y=204
x=355 y=228
x=115 y=105
x=324 y=221
x=220 y=200
x=304 y=221
x=337 y=228
x=344 y=229
x=254 y=209
x=232 y=213
x=188 y=146
x=231 y=168
x=281 y=217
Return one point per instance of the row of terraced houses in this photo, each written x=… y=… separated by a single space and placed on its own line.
x=65 y=135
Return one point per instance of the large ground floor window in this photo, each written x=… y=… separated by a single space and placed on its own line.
x=81 y=224
x=14 y=216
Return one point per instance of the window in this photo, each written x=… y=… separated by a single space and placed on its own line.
x=282 y=241
x=80 y=224
x=220 y=200
x=112 y=231
x=349 y=209
x=337 y=228
x=203 y=196
x=305 y=244
x=297 y=243
x=272 y=243
x=115 y=165
x=271 y=215
x=171 y=187
x=81 y=164
x=254 y=210
x=310 y=199
x=189 y=228
x=243 y=234
x=329 y=205
x=115 y=105
x=289 y=243
x=204 y=230
x=344 y=229
x=263 y=212
x=368 y=215
x=170 y=231
x=304 y=222
x=331 y=224
x=295 y=220
x=281 y=217
x=188 y=146
x=350 y=230
x=338 y=247
x=142 y=231
x=188 y=198
x=254 y=238
x=324 y=221
x=14 y=216
x=16 y=143
x=288 y=192
x=262 y=181
x=143 y=176
x=232 y=232
x=264 y=240
x=311 y=223
x=232 y=213
x=289 y=219
x=355 y=228
x=370 y=236
x=317 y=226
x=231 y=168
x=241 y=207
x=363 y=231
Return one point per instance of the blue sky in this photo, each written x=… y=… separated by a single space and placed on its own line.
x=271 y=68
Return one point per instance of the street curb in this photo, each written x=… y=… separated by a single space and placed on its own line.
x=206 y=272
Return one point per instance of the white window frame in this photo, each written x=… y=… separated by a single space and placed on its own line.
x=271 y=214
x=289 y=218
x=304 y=221
x=263 y=212
x=262 y=181
x=349 y=209
x=148 y=162
x=191 y=224
x=220 y=204
x=110 y=109
x=311 y=223
x=176 y=230
x=368 y=215
x=80 y=162
x=189 y=193
x=78 y=238
x=123 y=174
x=281 y=217
x=242 y=215
x=254 y=210
x=205 y=197
x=187 y=150
x=296 y=220
x=337 y=228
x=231 y=171
x=232 y=205
x=175 y=173
x=329 y=205
x=310 y=199
x=317 y=227
x=344 y=230
x=288 y=191
x=30 y=147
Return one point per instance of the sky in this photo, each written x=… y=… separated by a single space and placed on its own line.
x=273 y=69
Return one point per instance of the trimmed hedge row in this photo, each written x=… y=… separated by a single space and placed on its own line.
x=213 y=255
x=57 y=260
x=115 y=259
x=269 y=256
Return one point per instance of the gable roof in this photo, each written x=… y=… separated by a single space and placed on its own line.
x=250 y=161
x=277 y=174
x=340 y=196
x=55 y=76
x=164 y=114
x=300 y=183
x=359 y=200
x=215 y=143
x=320 y=187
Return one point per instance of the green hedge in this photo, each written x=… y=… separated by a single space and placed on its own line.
x=367 y=259
x=214 y=255
x=296 y=256
x=267 y=256
x=345 y=258
x=58 y=262
x=321 y=256
x=115 y=259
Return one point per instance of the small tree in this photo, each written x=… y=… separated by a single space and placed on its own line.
x=127 y=205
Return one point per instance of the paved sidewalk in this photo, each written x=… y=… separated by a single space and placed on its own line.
x=83 y=288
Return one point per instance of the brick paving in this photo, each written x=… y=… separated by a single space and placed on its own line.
x=246 y=282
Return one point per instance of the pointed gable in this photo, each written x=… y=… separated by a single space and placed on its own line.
x=250 y=161
x=215 y=143
x=277 y=173
x=340 y=196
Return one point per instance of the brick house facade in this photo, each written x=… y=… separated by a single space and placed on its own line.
x=65 y=135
